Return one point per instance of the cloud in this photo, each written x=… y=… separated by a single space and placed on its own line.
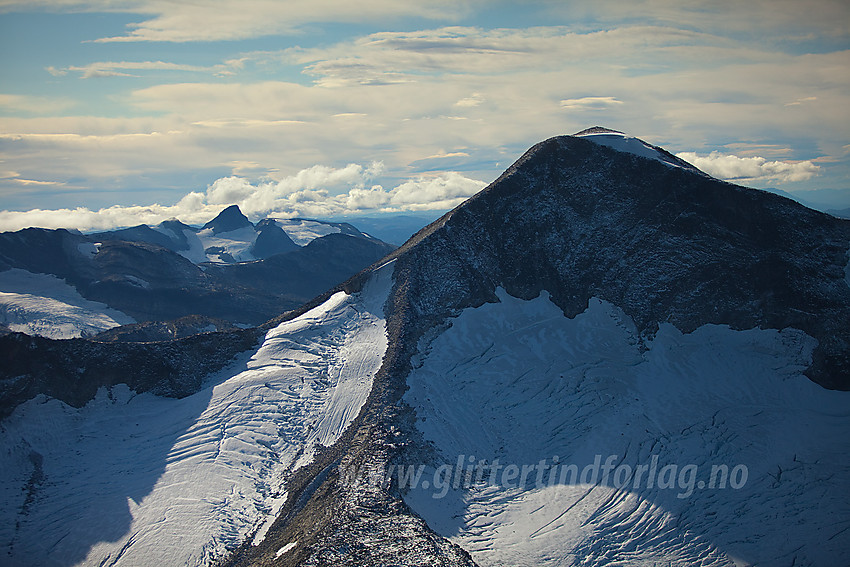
x=751 y=169
x=100 y=69
x=318 y=191
x=590 y=103
x=471 y=101
x=392 y=57
x=404 y=97
x=800 y=101
x=215 y=20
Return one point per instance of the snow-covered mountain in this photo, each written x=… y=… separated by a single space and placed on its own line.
x=606 y=356
x=230 y=237
x=63 y=284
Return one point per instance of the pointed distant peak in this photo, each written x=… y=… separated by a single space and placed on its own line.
x=227 y=220
x=598 y=130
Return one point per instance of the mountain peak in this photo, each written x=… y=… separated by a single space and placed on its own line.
x=227 y=220
x=622 y=142
x=597 y=130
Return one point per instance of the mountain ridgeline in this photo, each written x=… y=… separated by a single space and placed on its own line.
x=655 y=237
x=664 y=243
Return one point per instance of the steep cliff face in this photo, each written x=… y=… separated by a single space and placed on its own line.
x=664 y=243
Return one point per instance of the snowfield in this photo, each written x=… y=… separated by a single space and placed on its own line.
x=517 y=383
x=303 y=231
x=630 y=145
x=134 y=479
x=42 y=304
x=236 y=243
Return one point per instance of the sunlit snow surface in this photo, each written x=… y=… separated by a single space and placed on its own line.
x=629 y=145
x=141 y=480
x=42 y=304
x=303 y=231
x=236 y=243
x=519 y=382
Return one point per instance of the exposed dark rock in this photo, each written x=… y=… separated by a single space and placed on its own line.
x=155 y=331
x=72 y=370
x=271 y=240
x=227 y=220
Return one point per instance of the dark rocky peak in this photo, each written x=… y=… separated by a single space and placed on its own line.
x=665 y=244
x=178 y=231
x=140 y=233
x=271 y=240
x=227 y=220
x=58 y=252
x=597 y=130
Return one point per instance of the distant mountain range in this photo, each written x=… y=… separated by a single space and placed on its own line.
x=61 y=284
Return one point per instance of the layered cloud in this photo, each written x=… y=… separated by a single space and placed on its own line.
x=751 y=169
x=100 y=69
x=215 y=20
x=318 y=191
x=421 y=97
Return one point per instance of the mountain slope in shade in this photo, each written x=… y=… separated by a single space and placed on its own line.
x=271 y=240
x=183 y=481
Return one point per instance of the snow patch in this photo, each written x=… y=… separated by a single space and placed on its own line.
x=519 y=382
x=629 y=145
x=288 y=547
x=89 y=249
x=137 y=282
x=237 y=243
x=44 y=305
x=134 y=479
x=302 y=232
x=195 y=253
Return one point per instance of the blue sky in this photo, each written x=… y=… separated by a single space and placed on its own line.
x=114 y=112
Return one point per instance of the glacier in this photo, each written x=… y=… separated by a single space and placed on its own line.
x=518 y=383
x=43 y=304
x=133 y=479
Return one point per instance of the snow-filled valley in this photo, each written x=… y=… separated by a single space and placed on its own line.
x=304 y=231
x=136 y=479
x=236 y=245
x=42 y=304
x=517 y=386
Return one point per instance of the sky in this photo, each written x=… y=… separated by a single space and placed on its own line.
x=120 y=112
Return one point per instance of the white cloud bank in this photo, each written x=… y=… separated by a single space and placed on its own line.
x=751 y=169
x=318 y=191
